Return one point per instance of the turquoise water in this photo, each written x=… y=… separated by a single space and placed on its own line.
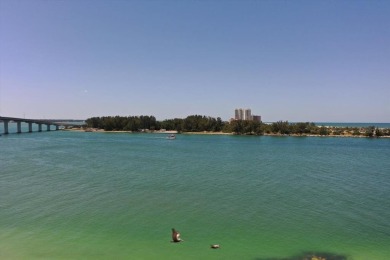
x=76 y=195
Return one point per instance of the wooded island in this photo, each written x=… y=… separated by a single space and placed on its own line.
x=198 y=123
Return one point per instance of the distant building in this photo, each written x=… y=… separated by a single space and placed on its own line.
x=238 y=114
x=245 y=114
x=242 y=114
x=256 y=118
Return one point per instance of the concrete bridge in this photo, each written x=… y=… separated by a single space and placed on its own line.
x=30 y=122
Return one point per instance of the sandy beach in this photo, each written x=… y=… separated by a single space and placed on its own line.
x=219 y=133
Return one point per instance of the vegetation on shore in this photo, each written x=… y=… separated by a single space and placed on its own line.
x=198 y=123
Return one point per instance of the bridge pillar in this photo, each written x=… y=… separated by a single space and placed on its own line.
x=39 y=127
x=6 y=126
x=57 y=127
x=48 y=127
x=29 y=127
x=19 y=127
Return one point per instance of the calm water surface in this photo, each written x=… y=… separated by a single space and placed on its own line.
x=68 y=195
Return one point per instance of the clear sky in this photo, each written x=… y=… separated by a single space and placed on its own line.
x=317 y=61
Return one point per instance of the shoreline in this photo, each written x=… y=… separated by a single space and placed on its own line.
x=221 y=133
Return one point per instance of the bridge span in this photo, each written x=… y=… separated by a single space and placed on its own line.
x=30 y=122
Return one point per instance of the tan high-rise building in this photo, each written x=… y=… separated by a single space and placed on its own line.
x=242 y=114
x=247 y=114
x=239 y=114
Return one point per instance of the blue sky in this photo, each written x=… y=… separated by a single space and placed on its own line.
x=321 y=61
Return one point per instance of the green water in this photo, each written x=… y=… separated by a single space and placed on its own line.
x=68 y=195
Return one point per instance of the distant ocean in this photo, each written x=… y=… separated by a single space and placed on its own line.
x=78 y=195
x=346 y=124
x=379 y=125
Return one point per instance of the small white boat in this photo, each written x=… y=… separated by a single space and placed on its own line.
x=171 y=137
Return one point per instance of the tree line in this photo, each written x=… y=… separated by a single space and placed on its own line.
x=194 y=123
x=198 y=123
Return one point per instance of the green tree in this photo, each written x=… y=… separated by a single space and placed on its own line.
x=370 y=131
x=378 y=132
x=237 y=126
x=301 y=128
x=355 y=131
x=324 y=131
x=281 y=127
